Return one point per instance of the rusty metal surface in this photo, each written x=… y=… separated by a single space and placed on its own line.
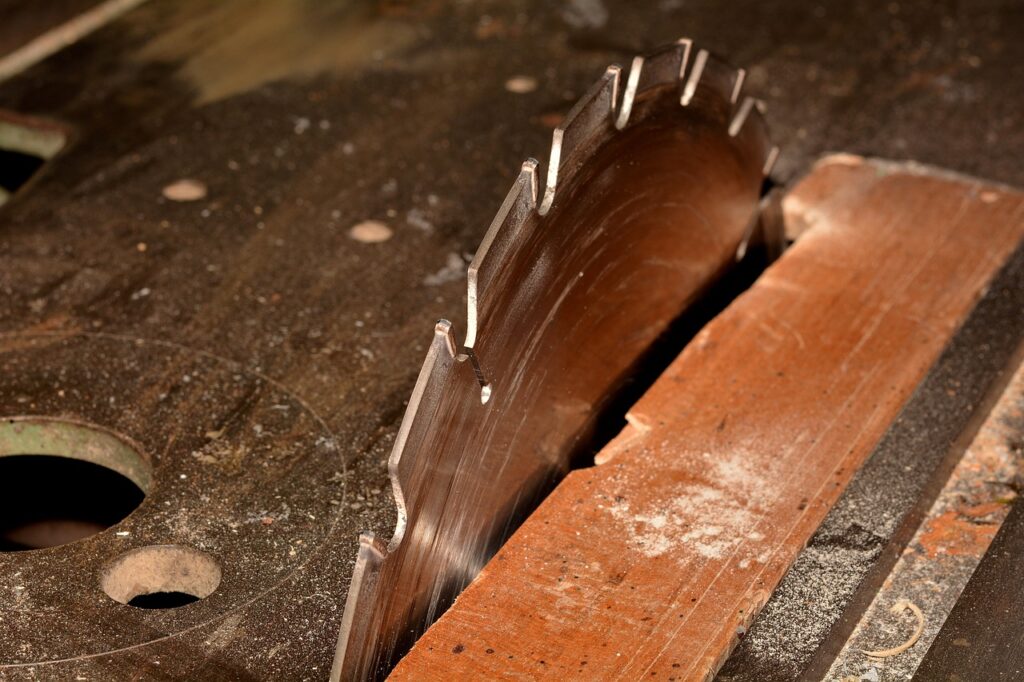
x=303 y=120
x=982 y=637
x=241 y=469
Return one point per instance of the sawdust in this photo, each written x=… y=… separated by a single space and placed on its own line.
x=454 y=270
x=700 y=518
x=708 y=519
x=585 y=14
x=419 y=219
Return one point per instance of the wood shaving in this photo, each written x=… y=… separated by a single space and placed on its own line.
x=898 y=608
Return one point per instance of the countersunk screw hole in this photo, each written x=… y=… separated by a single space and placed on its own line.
x=161 y=577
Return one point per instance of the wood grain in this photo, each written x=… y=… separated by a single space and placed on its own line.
x=653 y=562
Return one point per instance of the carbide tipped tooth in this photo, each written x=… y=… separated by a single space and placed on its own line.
x=350 y=652
x=696 y=73
x=629 y=92
x=505 y=230
x=663 y=67
x=737 y=88
x=769 y=164
x=427 y=394
x=592 y=114
x=741 y=250
x=711 y=73
x=749 y=121
x=741 y=116
x=372 y=545
x=666 y=66
x=443 y=331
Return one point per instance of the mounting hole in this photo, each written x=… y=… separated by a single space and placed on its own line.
x=485 y=394
x=64 y=481
x=161 y=577
x=25 y=145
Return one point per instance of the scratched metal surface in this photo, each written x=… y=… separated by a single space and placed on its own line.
x=304 y=119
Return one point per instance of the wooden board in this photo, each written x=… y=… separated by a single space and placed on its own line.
x=812 y=612
x=653 y=562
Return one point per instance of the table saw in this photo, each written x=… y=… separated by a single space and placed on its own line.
x=306 y=374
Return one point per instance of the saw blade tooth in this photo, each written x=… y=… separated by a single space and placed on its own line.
x=663 y=67
x=591 y=115
x=741 y=115
x=411 y=468
x=355 y=620
x=769 y=164
x=750 y=121
x=741 y=250
x=666 y=66
x=629 y=92
x=737 y=88
x=710 y=73
x=426 y=394
x=696 y=73
x=505 y=231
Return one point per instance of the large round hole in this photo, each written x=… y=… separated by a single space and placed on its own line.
x=63 y=481
x=161 y=577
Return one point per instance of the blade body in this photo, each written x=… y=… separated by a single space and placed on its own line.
x=646 y=202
